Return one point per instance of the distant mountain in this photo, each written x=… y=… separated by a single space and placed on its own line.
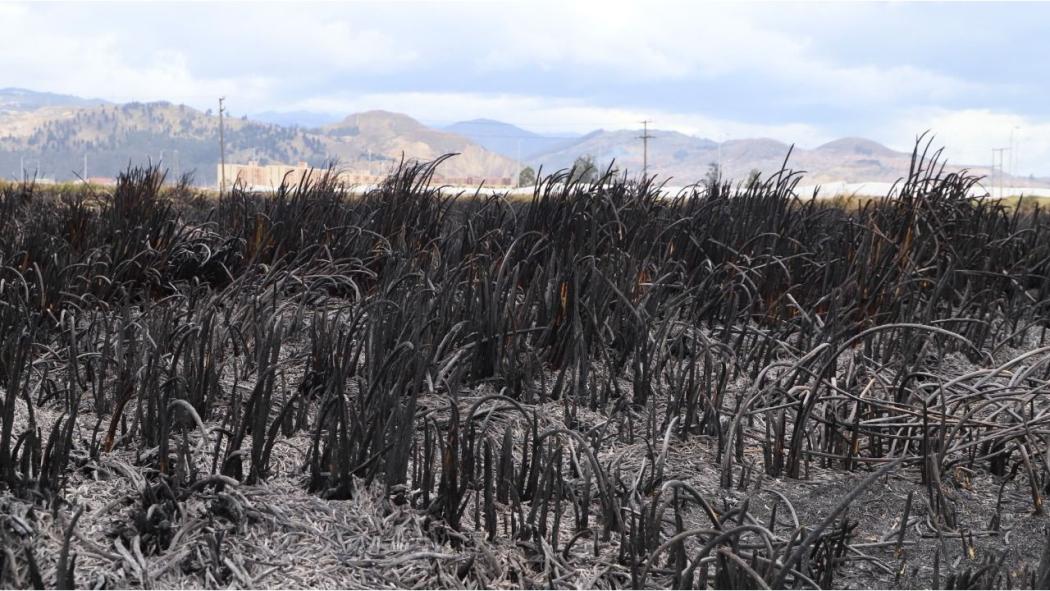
x=305 y=119
x=859 y=147
x=670 y=152
x=52 y=141
x=50 y=134
x=20 y=99
x=506 y=139
x=686 y=159
x=387 y=136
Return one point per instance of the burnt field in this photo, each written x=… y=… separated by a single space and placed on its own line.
x=594 y=387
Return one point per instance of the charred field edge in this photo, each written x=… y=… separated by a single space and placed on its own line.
x=599 y=386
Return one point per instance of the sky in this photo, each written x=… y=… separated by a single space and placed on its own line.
x=975 y=74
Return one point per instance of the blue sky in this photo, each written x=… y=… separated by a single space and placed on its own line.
x=976 y=74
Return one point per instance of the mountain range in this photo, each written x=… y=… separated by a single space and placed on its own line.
x=49 y=137
x=51 y=134
x=686 y=159
x=20 y=99
x=511 y=140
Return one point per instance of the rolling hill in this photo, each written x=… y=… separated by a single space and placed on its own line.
x=686 y=159
x=21 y=99
x=52 y=141
x=385 y=136
x=508 y=140
x=49 y=135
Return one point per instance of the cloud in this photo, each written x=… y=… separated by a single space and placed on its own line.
x=800 y=73
x=294 y=41
x=251 y=52
x=706 y=41
x=37 y=55
x=969 y=135
x=278 y=50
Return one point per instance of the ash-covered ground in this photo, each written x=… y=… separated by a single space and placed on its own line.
x=600 y=387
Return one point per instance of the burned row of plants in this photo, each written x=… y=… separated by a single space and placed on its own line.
x=601 y=380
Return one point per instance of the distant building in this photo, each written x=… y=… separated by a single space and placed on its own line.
x=267 y=177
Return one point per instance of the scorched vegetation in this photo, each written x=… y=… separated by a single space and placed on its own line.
x=600 y=386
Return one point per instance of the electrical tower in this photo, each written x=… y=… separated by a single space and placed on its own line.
x=645 y=137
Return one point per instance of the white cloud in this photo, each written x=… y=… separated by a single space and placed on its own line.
x=969 y=135
x=196 y=50
x=40 y=56
x=251 y=52
x=292 y=56
x=297 y=39
x=654 y=41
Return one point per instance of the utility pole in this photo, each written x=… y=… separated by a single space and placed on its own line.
x=517 y=166
x=1015 y=149
x=1012 y=150
x=645 y=137
x=993 y=180
x=222 y=150
x=1000 y=152
x=85 y=168
x=720 y=155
